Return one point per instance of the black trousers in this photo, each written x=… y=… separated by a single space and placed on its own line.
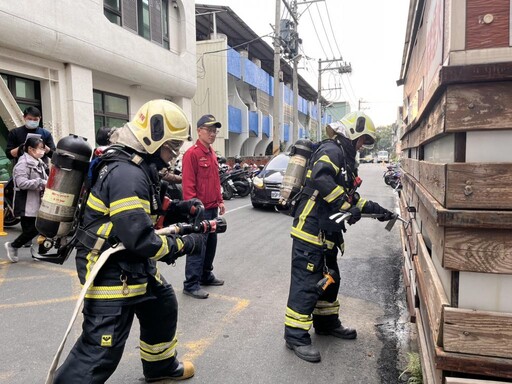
x=29 y=231
x=199 y=265
x=105 y=329
x=308 y=263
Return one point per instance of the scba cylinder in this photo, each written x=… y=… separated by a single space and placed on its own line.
x=296 y=170
x=70 y=163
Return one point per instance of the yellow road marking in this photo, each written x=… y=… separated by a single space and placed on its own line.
x=198 y=347
x=49 y=267
x=38 y=302
x=26 y=278
x=3 y=270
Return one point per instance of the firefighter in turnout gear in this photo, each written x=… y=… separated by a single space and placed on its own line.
x=330 y=187
x=123 y=197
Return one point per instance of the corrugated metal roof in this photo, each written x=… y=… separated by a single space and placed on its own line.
x=239 y=33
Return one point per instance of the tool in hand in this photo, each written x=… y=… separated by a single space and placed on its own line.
x=338 y=217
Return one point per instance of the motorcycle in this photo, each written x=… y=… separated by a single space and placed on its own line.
x=392 y=176
x=10 y=218
x=233 y=182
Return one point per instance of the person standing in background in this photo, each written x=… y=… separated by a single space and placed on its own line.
x=201 y=180
x=17 y=137
x=29 y=181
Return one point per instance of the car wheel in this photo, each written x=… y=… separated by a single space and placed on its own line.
x=257 y=205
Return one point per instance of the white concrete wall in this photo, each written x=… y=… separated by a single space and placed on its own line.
x=73 y=48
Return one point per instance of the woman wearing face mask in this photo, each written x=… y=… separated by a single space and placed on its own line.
x=29 y=181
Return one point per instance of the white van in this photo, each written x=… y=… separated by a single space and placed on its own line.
x=383 y=156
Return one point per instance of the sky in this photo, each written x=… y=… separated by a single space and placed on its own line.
x=368 y=34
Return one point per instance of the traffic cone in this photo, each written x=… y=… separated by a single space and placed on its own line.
x=2 y=233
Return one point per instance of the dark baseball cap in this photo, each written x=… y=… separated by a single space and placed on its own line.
x=208 y=121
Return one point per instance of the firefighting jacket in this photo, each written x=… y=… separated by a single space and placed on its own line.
x=118 y=209
x=331 y=183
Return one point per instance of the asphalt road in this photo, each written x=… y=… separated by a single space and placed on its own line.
x=236 y=335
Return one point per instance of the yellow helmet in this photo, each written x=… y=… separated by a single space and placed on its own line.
x=158 y=121
x=353 y=126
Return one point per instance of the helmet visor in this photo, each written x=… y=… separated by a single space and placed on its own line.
x=368 y=142
x=173 y=146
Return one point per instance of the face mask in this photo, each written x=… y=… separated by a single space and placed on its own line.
x=39 y=153
x=32 y=124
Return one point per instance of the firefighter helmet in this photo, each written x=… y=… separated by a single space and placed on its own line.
x=159 y=121
x=353 y=126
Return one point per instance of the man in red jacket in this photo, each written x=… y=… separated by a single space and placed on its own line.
x=201 y=180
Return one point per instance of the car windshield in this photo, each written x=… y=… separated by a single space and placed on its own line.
x=278 y=163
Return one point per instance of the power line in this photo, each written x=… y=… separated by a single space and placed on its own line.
x=316 y=32
x=325 y=31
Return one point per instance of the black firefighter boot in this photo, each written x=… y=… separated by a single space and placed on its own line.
x=305 y=352
x=340 y=332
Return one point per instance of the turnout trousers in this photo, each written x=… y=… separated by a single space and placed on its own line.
x=105 y=329
x=306 y=306
x=199 y=265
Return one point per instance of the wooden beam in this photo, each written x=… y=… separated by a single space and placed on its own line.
x=478 y=250
x=431 y=291
x=478 y=107
x=477 y=332
x=432 y=176
x=476 y=73
x=473 y=364
x=459 y=218
x=430 y=374
x=458 y=380
x=478 y=186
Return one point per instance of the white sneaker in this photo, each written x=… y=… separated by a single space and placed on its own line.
x=12 y=253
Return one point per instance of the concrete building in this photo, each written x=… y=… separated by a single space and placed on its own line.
x=91 y=63
x=236 y=84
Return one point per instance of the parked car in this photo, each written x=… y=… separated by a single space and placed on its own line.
x=366 y=159
x=266 y=184
x=382 y=156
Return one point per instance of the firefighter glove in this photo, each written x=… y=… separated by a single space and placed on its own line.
x=192 y=243
x=190 y=207
x=385 y=214
x=355 y=215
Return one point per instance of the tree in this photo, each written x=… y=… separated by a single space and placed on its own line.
x=384 y=140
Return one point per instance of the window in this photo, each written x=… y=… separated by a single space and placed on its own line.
x=110 y=110
x=26 y=92
x=112 y=10
x=165 y=23
x=143 y=18
x=147 y=18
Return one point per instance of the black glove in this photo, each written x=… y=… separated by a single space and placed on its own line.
x=387 y=215
x=374 y=208
x=192 y=243
x=189 y=207
x=355 y=215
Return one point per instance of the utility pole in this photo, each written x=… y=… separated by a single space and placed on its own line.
x=277 y=68
x=295 y=78
x=341 y=68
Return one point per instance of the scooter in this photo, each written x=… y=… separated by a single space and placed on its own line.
x=10 y=218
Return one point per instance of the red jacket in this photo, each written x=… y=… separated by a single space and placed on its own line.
x=201 y=176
